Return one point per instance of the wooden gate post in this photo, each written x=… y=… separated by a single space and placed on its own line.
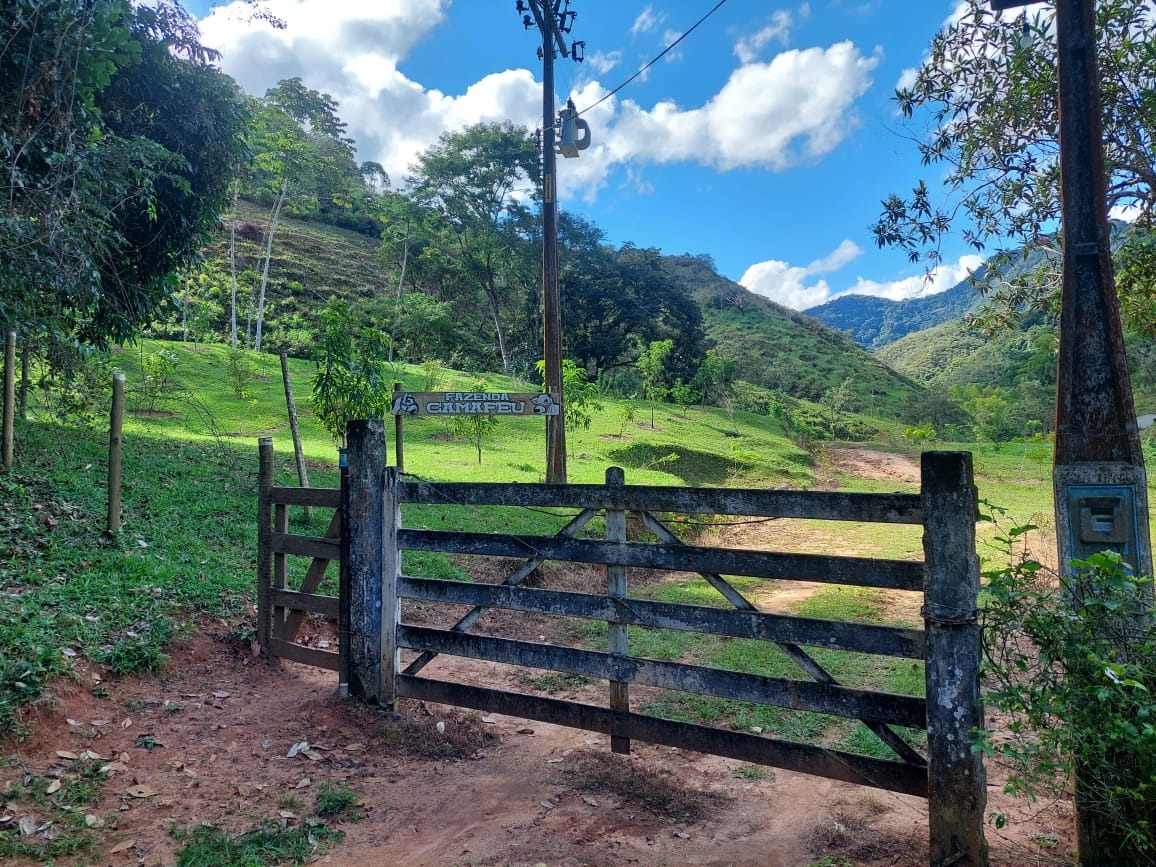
x=115 y=443
x=390 y=575
x=264 y=543
x=365 y=444
x=9 y=396
x=957 y=782
x=617 y=633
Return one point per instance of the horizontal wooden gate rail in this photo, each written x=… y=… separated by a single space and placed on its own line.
x=950 y=775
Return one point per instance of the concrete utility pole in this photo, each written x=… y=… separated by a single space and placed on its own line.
x=553 y=19
x=1098 y=476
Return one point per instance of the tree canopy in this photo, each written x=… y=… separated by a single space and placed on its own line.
x=116 y=161
x=989 y=101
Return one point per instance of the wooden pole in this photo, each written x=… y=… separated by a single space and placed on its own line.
x=343 y=630
x=398 y=450
x=291 y=404
x=365 y=442
x=618 y=634
x=9 y=396
x=391 y=574
x=115 y=442
x=264 y=542
x=22 y=395
x=957 y=782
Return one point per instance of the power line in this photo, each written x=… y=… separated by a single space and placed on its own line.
x=656 y=58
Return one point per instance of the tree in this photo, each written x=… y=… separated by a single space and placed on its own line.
x=652 y=366
x=479 y=180
x=475 y=427
x=115 y=152
x=352 y=380
x=991 y=103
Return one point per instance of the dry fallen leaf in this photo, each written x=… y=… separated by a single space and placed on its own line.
x=140 y=791
x=53 y=787
x=28 y=825
x=67 y=754
x=355 y=748
x=287 y=814
x=92 y=820
x=312 y=755
x=302 y=783
x=122 y=846
x=126 y=723
x=99 y=722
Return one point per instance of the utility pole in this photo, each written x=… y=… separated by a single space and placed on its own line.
x=1101 y=490
x=553 y=19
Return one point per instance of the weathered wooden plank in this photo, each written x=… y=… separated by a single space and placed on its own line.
x=802 y=758
x=617 y=631
x=512 y=580
x=390 y=602
x=264 y=549
x=306 y=655
x=322 y=497
x=298 y=602
x=831 y=505
x=305 y=546
x=798 y=695
x=958 y=782
x=839 y=635
x=859 y=571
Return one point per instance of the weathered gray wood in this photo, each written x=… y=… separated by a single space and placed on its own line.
x=957 y=783
x=803 y=758
x=324 y=497
x=305 y=655
x=294 y=430
x=398 y=432
x=859 y=637
x=9 y=425
x=512 y=580
x=280 y=564
x=264 y=550
x=365 y=443
x=796 y=654
x=304 y=546
x=859 y=571
x=313 y=578
x=298 y=602
x=390 y=601
x=617 y=631
x=115 y=444
x=830 y=505
x=781 y=692
x=344 y=618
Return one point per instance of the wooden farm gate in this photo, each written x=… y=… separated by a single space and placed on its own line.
x=374 y=634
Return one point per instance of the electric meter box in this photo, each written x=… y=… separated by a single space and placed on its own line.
x=1103 y=518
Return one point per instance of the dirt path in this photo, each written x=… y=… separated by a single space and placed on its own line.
x=209 y=742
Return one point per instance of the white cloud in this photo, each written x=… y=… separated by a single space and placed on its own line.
x=778 y=28
x=646 y=21
x=907 y=78
x=669 y=37
x=797 y=287
x=601 y=63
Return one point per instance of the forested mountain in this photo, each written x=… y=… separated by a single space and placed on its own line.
x=875 y=322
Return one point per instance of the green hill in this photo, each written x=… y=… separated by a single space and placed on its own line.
x=787 y=351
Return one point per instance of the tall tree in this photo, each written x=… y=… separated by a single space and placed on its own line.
x=481 y=180
x=113 y=152
x=989 y=98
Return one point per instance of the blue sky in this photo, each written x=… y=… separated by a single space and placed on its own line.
x=766 y=138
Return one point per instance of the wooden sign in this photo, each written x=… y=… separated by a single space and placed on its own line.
x=472 y=403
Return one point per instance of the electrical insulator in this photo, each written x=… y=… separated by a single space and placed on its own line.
x=575 y=133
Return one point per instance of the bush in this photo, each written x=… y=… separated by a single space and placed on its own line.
x=1072 y=661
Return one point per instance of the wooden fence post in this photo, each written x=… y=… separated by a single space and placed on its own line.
x=398 y=425
x=957 y=783
x=365 y=442
x=264 y=542
x=9 y=397
x=343 y=610
x=616 y=588
x=391 y=574
x=115 y=441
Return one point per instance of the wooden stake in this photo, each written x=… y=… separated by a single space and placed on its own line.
x=115 y=441
x=291 y=404
x=365 y=445
x=264 y=543
x=9 y=397
x=616 y=589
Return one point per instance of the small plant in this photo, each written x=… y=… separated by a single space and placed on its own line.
x=337 y=802
x=433 y=372
x=159 y=368
x=268 y=843
x=750 y=772
x=626 y=414
x=476 y=427
x=240 y=370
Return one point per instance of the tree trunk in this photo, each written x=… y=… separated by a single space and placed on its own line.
x=273 y=218
x=400 y=285
x=492 y=297
x=233 y=263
